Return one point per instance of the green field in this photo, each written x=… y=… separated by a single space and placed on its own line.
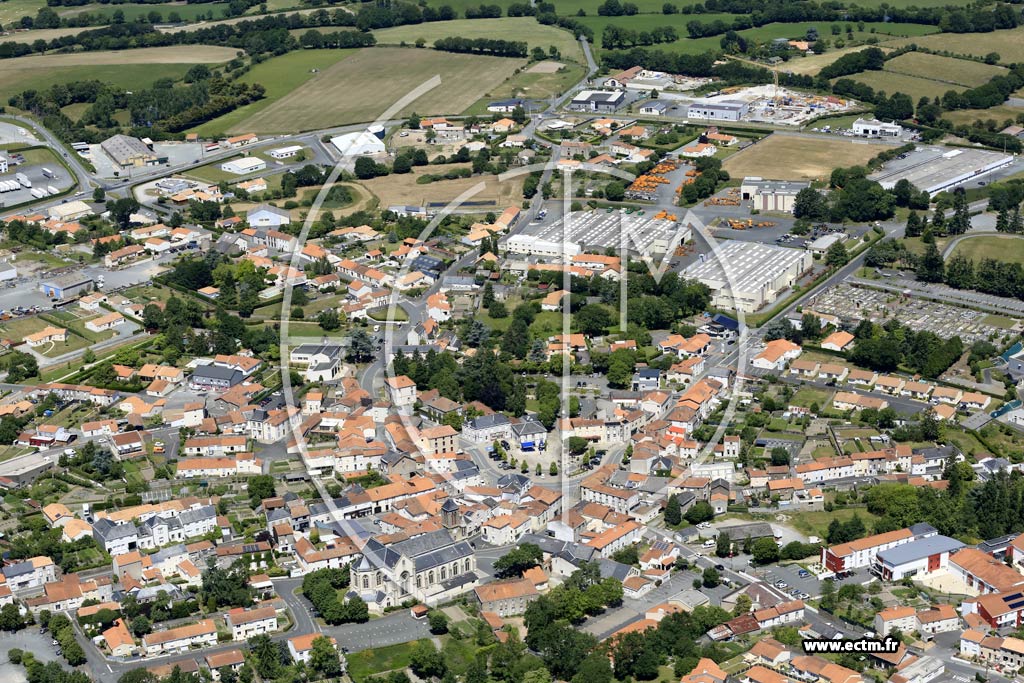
x=362 y=665
x=367 y=83
x=790 y=157
x=947 y=70
x=131 y=12
x=1006 y=248
x=998 y=114
x=1009 y=44
x=280 y=76
x=761 y=34
x=913 y=86
x=508 y=28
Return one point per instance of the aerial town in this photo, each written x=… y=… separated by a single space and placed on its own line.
x=584 y=341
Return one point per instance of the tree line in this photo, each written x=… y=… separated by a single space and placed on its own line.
x=483 y=46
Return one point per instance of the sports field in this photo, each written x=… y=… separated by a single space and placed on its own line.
x=280 y=76
x=944 y=69
x=402 y=188
x=799 y=157
x=1008 y=248
x=363 y=86
x=908 y=85
x=1009 y=43
x=508 y=28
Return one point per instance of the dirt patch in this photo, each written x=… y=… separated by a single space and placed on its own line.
x=403 y=189
x=545 y=67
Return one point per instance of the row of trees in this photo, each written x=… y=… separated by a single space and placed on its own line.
x=890 y=346
x=321 y=588
x=483 y=46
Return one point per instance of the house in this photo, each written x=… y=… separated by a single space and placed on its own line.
x=401 y=391
x=246 y=623
x=105 y=322
x=200 y=634
x=776 y=354
x=837 y=341
x=300 y=647
x=506 y=598
x=47 y=335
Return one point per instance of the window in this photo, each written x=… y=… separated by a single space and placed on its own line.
x=366 y=581
x=444 y=573
x=430 y=577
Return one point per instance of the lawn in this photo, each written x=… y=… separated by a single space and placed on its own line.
x=131 y=69
x=948 y=70
x=816 y=523
x=508 y=28
x=1009 y=44
x=805 y=397
x=531 y=84
x=362 y=665
x=1007 y=248
x=280 y=76
x=787 y=157
x=913 y=86
x=403 y=189
x=365 y=85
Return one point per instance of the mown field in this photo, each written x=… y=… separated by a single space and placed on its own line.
x=1009 y=44
x=280 y=76
x=794 y=157
x=1008 y=248
x=812 y=64
x=944 y=69
x=514 y=28
x=908 y=85
x=403 y=189
x=364 y=85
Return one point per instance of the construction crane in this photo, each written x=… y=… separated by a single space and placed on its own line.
x=775 y=83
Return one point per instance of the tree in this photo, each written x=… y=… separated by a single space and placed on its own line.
x=710 y=578
x=673 y=512
x=140 y=626
x=361 y=347
x=810 y=204
x=592 y=320
x=743 y=604
x=765 y=551
x=89 y=356
x=931 y=267
x=260 y=487
x=328 y=318
x=723 y=545
x=438 y=622
x=99 y=195
x=426 y=662
x=837 y=256
x=701 y=511
x=780 y=456
x=323 y=657
x=615 y=191
x=10 y=617
x=516 y=561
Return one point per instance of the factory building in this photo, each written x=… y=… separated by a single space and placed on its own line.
x=934 y=169
x=126 y=151
x=725 y=110
x=596 y=231
x=747 y=276
x=597 y=100
x=770 y=195
x=873 y=128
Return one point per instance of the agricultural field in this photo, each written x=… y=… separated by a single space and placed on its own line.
x=46 y=34
x=403 y=189
x=508 y=28
x=913 y=86
x=12 y=10
x=1008 y=43
x=131 y=12
x=810 y=65
x=365 y=84
x=127 y=69
x=761 y=34
x=280 y=76
x=1007 y=248
x=998 y=114
x=792 y=157
x=534 y=82
x=944 y=69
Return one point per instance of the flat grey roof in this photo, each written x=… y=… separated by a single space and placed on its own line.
x=919 y=549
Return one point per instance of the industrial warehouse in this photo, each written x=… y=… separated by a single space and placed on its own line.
x=596 y=231
x=934 y=169
x=748 y=275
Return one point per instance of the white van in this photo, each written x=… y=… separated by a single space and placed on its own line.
x=710 y=543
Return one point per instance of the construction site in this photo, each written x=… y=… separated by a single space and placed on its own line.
x=766 y=104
